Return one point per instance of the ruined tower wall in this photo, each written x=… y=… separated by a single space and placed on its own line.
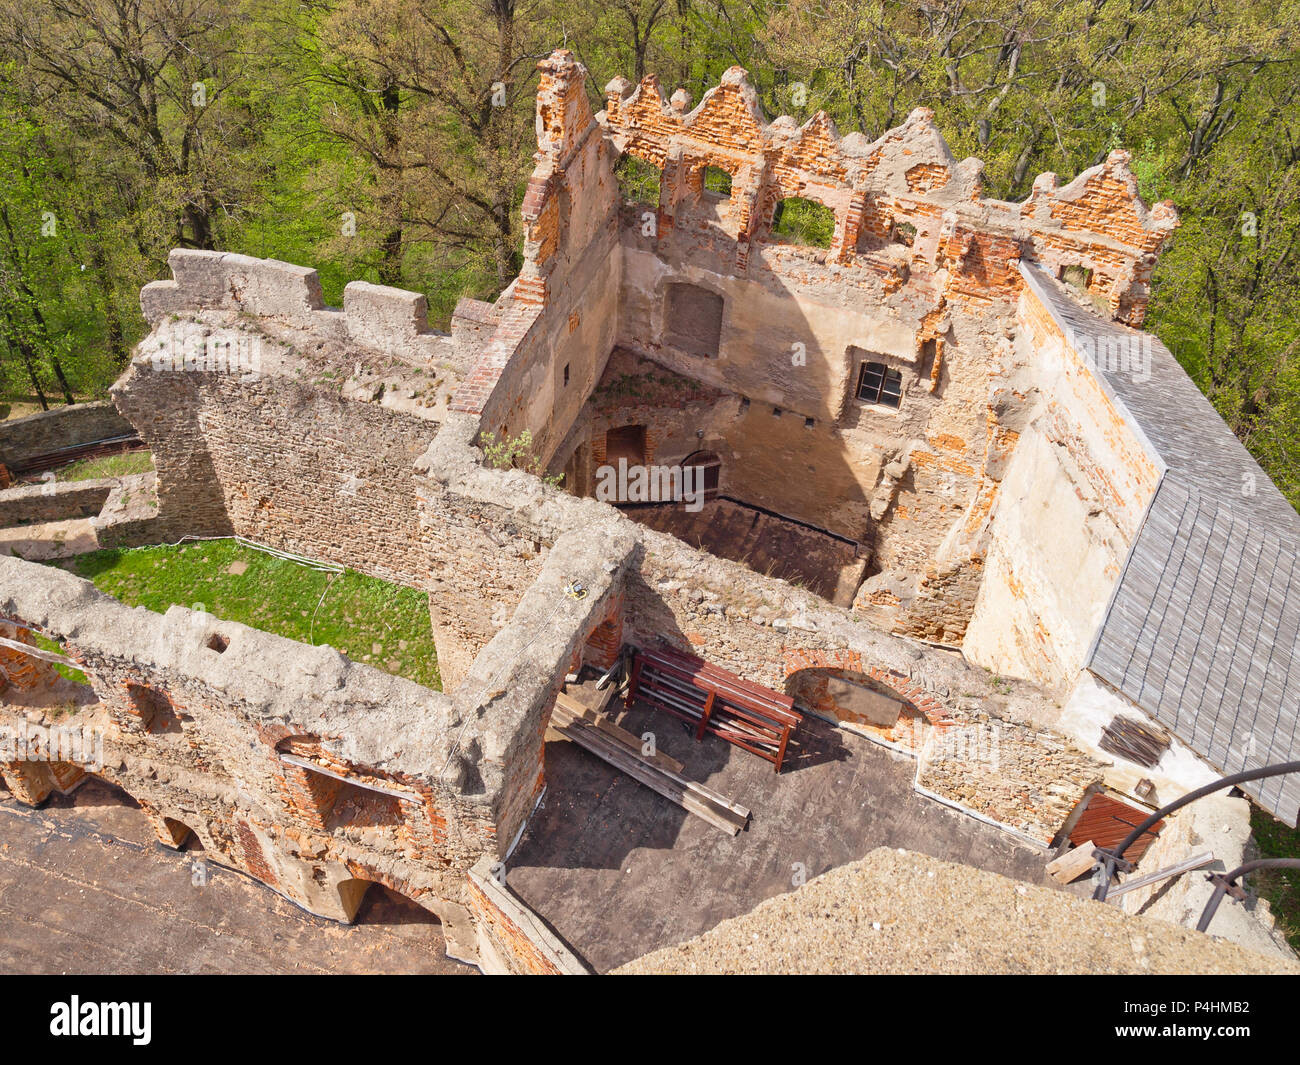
x=559 y=317
x=920 y=275
x=1068 y=507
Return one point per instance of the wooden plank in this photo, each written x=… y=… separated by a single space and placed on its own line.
x=704 y=792
x=36 y=652
x=724 y=677
x=566 y=705
x=1072 y=864
x=1106 y=821
x=651 y=776
x=293 y=759
x=1197 y=862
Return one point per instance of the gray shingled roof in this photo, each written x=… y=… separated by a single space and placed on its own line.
x=1203 y=628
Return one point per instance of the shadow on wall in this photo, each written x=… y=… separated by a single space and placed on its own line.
x=190 y=497
x=670 y=411
x=95 y=793
x=852 y=698
x=381 y=905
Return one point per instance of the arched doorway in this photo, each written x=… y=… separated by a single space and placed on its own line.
x=710 y=465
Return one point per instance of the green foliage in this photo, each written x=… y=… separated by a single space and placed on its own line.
x=717 y=180
x=638 y=181
x=365 y=138
x=801 y=221
x=516 y=452
x=372 y=621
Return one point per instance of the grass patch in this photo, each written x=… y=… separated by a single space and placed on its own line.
x=69 y=672
x=122 y=465
x=1280 y=886
x=372 y=621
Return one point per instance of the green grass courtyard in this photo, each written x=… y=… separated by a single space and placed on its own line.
x=372 y=621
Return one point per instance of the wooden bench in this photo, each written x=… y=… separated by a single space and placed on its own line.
x=715 y=701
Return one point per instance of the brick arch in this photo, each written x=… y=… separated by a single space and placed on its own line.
x=352 y=892
x=913 y=695
x=172 y=831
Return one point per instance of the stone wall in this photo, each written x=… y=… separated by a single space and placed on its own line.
x=313 y=773
x=511 y=939
x=763 y=628
x=354 y=436
x=53 y=501
x=22 y=439
x=920 y=276
x=905 y=187
x=194 y=714
x=284 y=460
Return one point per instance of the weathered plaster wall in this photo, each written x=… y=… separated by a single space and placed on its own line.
x=1069 y=504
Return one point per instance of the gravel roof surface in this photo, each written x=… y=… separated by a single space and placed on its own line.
x=900 y=912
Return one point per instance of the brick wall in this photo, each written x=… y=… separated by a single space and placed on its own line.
x=212 y=762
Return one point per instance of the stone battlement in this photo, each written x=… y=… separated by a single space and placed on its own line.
x=376 y=317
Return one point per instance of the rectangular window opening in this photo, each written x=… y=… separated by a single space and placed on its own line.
x=879 y=384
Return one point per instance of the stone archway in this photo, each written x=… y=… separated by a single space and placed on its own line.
x=883 y=705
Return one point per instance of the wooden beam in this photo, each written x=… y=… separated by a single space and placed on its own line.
x=567 y=705
x=304 y=763
x=36 y=652
x=693 y=797
x=1187 y=866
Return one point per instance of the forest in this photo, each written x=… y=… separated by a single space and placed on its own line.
x=390 y=141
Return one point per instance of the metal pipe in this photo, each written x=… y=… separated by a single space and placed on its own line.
x=1113 y=857
x=1223 y=883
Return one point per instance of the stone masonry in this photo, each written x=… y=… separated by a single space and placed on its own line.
x=360 y=437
